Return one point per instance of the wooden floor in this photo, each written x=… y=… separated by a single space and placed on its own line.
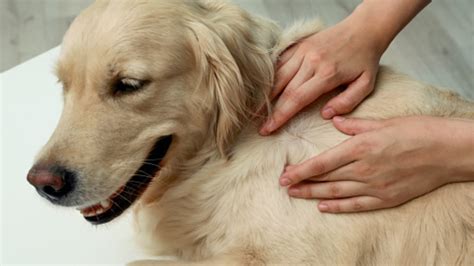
x=437 y=47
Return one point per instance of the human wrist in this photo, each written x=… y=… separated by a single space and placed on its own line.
x=364 y=23
x=461 y=156
x=381 y=21
x=466 y=167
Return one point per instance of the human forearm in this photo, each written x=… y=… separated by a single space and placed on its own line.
x=461 y=138
x=382 y=20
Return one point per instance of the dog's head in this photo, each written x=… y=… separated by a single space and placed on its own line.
x=146 y=85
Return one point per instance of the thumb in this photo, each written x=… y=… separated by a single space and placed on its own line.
x=347 y=100
x=353 y=126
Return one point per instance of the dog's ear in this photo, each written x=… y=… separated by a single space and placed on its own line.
x=233 y=52
x=222 y=81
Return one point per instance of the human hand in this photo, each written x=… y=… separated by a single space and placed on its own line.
x=344 y=54
x=385 y=164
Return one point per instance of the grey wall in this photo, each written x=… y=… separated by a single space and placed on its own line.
x=438 y=46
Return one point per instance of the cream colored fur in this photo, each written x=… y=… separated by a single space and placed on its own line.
x=217 y=199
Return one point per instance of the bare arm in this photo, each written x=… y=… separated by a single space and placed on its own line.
x=385 y=19
x=462 y=161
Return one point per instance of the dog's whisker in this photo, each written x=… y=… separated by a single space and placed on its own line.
x=130 y=194
x=125 y=192
x=131 y=168
x=116 y=204
x=137 y=183
x=146 y=162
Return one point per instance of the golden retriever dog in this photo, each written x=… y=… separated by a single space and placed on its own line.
x=159 y=112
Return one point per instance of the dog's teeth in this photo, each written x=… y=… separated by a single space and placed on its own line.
x=105 y=204
x=99 y=211
x=88 y=214
x=82 y=208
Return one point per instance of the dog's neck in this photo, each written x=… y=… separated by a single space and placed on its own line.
x=253 y=53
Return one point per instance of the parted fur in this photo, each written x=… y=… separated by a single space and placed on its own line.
x=217 y=198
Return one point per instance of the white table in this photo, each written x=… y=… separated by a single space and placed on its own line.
x=33 y=230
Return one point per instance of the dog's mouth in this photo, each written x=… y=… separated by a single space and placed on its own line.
x=112 y=207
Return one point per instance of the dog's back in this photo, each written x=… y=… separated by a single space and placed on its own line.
x=235 y=211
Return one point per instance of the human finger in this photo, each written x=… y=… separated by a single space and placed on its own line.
x=326 y=162
x=292 y=101
x=328 y=190
x=285 y=74
x=347 y=100
x=286 y=55
x=354 y=126
x=305 y=73
x=353 y=204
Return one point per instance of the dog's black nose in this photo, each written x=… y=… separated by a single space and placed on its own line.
x=52 y=181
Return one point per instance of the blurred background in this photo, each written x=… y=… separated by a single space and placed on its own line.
x=437 y=47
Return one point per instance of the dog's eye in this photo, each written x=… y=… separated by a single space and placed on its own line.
x=127 y=85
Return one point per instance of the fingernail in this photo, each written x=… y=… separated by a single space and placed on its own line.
x=270 y=125
x=328 y=112
x=288 y=168
x=323 y=207
x=294 y=191
x=339 y=119
x=267 y=127
x=284 y=181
